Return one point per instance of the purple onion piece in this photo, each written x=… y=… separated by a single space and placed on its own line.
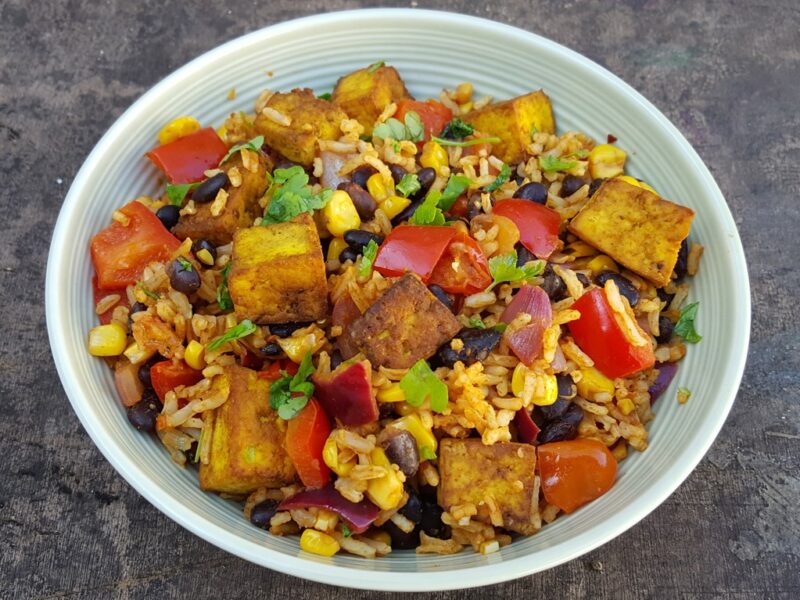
x=666 y=373
x=527 y=430
x=358 y=516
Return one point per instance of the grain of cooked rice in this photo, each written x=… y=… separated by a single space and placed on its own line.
x=106 y=303
x=276 y=116
x=570 y=279
x=121 y=218
x=693 y=259
x=624 y=315
x=354 y=545
x=188 y=209
x=235 y=176
x=432 y=545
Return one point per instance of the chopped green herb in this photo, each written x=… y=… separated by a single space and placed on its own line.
x=504 y=269
x=375 y=66
x=427 y=453
x=476 y=322
x=456 y=130
x=428 y=213
x=411 y=129
x=254 y=145
x=199 y=445
x=420 y=383
x=685 y=325
x=289 y=394
x=147 y=292
x=291 y=196
x=500 y=327
x=685 y=392
x=462 y=144
x=456 y=185
x=223 y=295
x=185 y=264
x=503 y=176
x=408 y=185
x=582 y=153
x=346 y=531
x=243 y=116
x=549 y=163
x=177 y=193
x=243 y=329
x=326 y=96
x=367 y=258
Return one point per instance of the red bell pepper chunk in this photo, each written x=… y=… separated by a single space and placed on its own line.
x=273 y=372
x=463 y=268
x=599 y=335
x=527 y=429
x=120 y=253
x=538 y=225
x=305 y=438
x=187 y=158
x=415 y=248
x=526 y=342
x=346 y=393
x=433 y=114
x=99 y=294
x=167 y=375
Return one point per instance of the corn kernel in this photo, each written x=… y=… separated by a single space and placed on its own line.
x=195 y=355
x=387 y=491
x=393 y=393
x=340 y=213
x=648 y=187
x=297 y=346
x=107 y=340
x=317 y=542
x=626 y=406
x=136 y=354
x=222 y=131
x=602 y=263
x=637 y=182
x=376 y=186
x=593 y=382
x=434 y=156
x=413 y=425
x=606 y=161
x=335 y=248
x=518 y=380
x=330 y=456
x=394 y=205
x=463 y=92
x=550 y=392
x=205 y=257
x=177 y=128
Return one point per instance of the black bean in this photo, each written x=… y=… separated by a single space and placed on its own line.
x=442 y=296
x=361 y=174
x=553 y=411
x=518 y=179
x=405 y=214
x=665 y=329
x=398 y=173
x=565 y=427
x=478 y=344
x=573 y=415
x=474 y=206
x=553 y=285
x=524 y=255
x=263 y=512
x=204 y=244
x=535 y=192
x=357 y=239
x=207 y=191
x=143 y=414
x=566 y=387
x=385 y=409
x=283 y=330
x=431 y=522
x=596 y=183
x=144 y=371
x=427 y=493
x=401 y=449
x=137 y=307
x=683 y=258
x=624 y=285
x=412 y=510
x=400 y=539
x=348 y=254
x=426 y=177
x=583 y=279
x=337 y=359
x=271 y=349
x=570 y=185
x=365 y=204
x=664 y=296
x=183 y=277
x=169 y=215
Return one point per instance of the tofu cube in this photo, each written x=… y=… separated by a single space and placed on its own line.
x=635 y=227
x=365 y=93
x=247 y=439
x=310 y=120
x=471 y=472
x=512 y=121
x=405 y=324
x=278 y=273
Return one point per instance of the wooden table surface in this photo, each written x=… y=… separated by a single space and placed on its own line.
x=726 y=73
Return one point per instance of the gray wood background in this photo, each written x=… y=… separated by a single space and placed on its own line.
x=728 y=75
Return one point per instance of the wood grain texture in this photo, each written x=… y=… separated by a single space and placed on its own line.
x=726 y=73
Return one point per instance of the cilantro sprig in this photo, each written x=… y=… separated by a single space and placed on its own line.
x=476 y=322
x=456 y=185
x=254 y=145
x=185 y=264
x=550 y=163
x=408 y=185
x=243 y=329
x=410 y=129
x=428 y=213
x=503 y=176
x=147 y=292
x=375 y=66
x=291 y=196
x=326 y=96
x=176 y=193
x=368 y=255
x=685 y=325
x=464 y=143
x=223 y=294
x=504 y=268
x=456 y=129
x=420 y=383
x=289 y=394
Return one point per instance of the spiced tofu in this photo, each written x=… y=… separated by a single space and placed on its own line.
x=365 y=93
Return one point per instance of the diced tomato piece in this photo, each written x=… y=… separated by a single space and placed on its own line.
x=305 y=438
x=187 y=158
x=526 y=342
x=273 y=372
x=463 y=268
x=251 y=360
x=600 y=336
x=575 y=472
x=433 y=114
x=120 y=253
x=459 y=208
x=538 y=225
x=99 y=294
x=415 y=248
x=167 y=375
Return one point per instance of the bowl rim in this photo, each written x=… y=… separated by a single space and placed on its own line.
x=376 y=579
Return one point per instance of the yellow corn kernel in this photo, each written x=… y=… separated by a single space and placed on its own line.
x=330 y=456
x=413 y=425
x=463 y=92
x=222 y=131
x=376 y=186
x=381 y=536
x=205 y=257
x=637 y=182
x=297 y=346
x=387 y=491
x=593 y=382
x=136 y=354
x=601 y=263
x=340 y=213
x=177 y=128
x=518 y=379
x=626 y=406
x=394 y=205
x=195 y=355
x=335 y=248
x=317 y=542
x=434 y=156
x=107 y=340
x=550 y=394
x=648 y=187
x=606 y=161
x=393 y=393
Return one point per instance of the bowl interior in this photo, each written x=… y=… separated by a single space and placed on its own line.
x=431 y=50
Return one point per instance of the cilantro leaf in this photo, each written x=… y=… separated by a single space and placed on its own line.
x=685 y=325
x=408 y=185
x=462 y=144
x=582 y=153
x=346 y=531
x=254 y=145
x=428 y=213
x=326 y=96
x=685 y=392
x=456 y=185
x=427 y=453
x=504 y=269
x=456 y=130
x=375 y=66
x=147 y=292
x=476 y=322
x=223 y=295
x=177 y=192
x=185 y=264
x=243 y=329
x=411 y=129
x=420 y=383
x=368 y=255
x=549 y=163
x=500 y=327
x=289 y=394
x=502 y=177
x=291 y=196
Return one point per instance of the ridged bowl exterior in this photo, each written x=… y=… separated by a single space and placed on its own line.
x=431 y=50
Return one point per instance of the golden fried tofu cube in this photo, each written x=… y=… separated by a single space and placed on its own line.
x=512 y=121
x=502 y=474
x=365 y=93
x=278 y=273
x=405 y=324
x=635 y=227
x=247 y=439
x=309 y=120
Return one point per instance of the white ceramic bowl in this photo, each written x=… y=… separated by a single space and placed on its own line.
x=431 y=50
